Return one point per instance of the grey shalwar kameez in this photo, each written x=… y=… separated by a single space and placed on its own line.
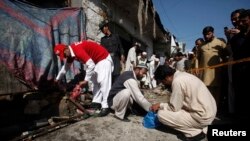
x=124 y=92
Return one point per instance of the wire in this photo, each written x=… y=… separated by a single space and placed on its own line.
x=166 y=15
x=168 y=18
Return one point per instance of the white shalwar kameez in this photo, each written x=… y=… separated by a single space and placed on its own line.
x=131 y=58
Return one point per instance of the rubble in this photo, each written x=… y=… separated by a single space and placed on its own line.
x=74 y=123
x=109 y=128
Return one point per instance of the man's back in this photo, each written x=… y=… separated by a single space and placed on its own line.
x=89 y=49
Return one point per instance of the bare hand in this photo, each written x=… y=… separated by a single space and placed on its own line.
x=83 y=83
x=122 y=58
x=59 y=85
x=155 y=107
x=196 y=72
x=234 y=31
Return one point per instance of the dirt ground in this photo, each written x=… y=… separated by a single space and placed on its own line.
x=110 y=129
x=94 y=128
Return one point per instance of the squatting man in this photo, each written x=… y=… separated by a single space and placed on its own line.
x=191 y=107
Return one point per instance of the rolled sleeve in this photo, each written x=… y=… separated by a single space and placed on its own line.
x=90 y=69
x=137 y=95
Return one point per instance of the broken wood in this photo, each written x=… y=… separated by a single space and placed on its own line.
x=29 y=135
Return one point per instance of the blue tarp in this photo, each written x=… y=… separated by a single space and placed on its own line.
x=28 y=35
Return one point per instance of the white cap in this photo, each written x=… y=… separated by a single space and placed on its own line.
x=137 y=44
x=144 y=53
x=142 y=66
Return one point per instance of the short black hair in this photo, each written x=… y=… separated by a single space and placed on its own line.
x=163 y=71
x=245 y=13
x=208 y=29
x=102 y=24
x=200 y=39
x=179 y=54
x=237 y=11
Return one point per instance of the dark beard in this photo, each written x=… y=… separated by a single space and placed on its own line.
x=139 y=78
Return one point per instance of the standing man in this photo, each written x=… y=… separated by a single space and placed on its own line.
x=231 y=40
x=197 y=48
x=211 y=54
x=240 y=44
x=235 y=22
x=180 y=61
x=113 y=44
x=126 y=90
x=153 y=65
x=190 y=110
x=131 y=58
x=99 y=68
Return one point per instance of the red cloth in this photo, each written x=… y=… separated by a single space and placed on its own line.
x=76 y=92
x=59 y=50
x=86 y=50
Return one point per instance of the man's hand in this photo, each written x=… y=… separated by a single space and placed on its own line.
x=56 y=82
x=197 y=72
x=122 y=58
x=83 y=83
x=234 y=31
x=59 y=85
x=155 y=107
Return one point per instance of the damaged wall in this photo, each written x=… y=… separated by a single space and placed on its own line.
x=94 y=16
x=133 y=20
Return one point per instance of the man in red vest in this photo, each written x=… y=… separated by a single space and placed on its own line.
x=99 y=67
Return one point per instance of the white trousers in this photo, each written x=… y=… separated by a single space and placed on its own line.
x=102 y=81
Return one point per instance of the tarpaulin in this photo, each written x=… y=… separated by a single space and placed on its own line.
x=28 y=35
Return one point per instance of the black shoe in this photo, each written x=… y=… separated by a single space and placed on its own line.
x=124 y=120
x=196 y=138
x=96 y=106
x=103 y=112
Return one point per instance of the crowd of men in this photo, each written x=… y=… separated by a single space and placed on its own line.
x=197 y=88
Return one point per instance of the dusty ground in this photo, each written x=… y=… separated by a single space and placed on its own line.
x=110 y=129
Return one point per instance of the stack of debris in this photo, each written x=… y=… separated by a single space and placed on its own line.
x=158 y=94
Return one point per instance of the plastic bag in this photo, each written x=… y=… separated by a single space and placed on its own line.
x=151 y=120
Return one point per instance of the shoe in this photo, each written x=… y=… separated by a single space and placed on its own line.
x=125 y=119
x=96 y=106
x=196 y=138
x=103 y=112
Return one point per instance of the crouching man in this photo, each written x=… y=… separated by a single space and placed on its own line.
x=99 y=68
x=191 y=107
x=125 y=91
